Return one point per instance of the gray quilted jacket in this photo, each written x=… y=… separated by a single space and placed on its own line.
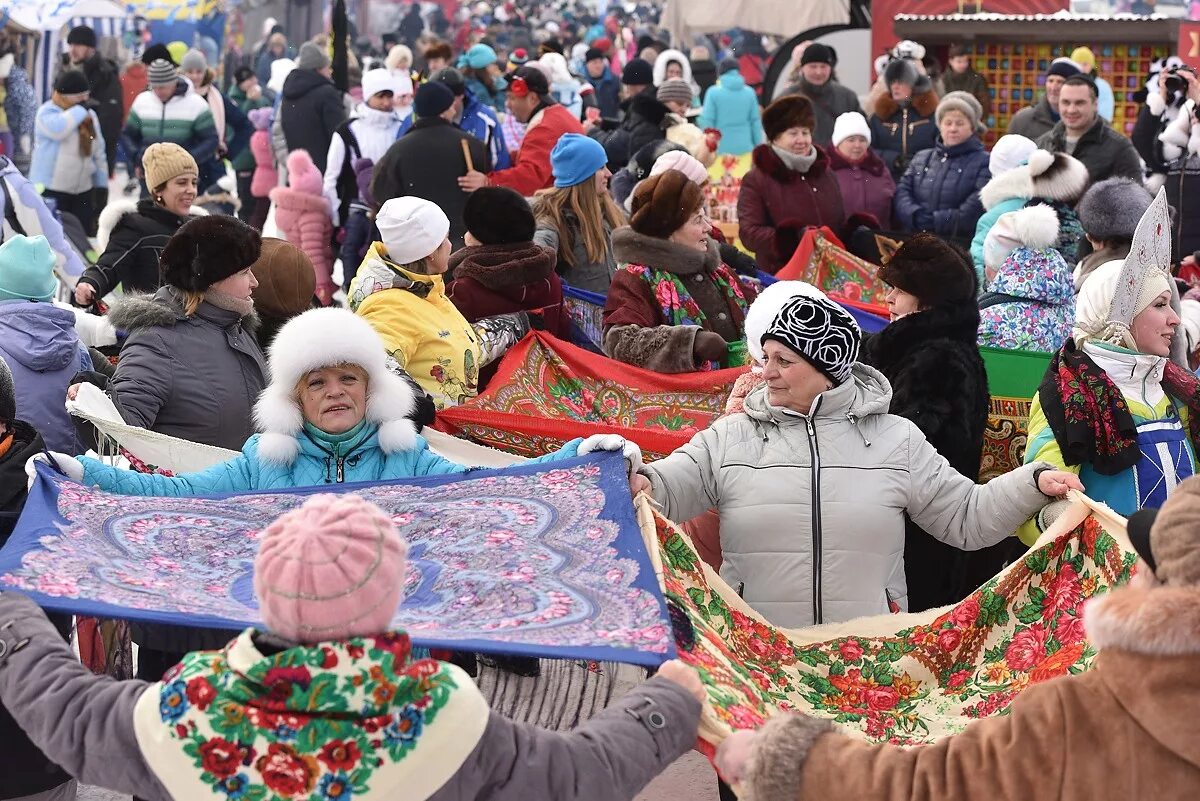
x=812 y=508
x=85 y=723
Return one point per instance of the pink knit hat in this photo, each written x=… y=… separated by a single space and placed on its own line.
x=330 y=570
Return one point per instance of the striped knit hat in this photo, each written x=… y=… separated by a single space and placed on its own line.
x=161 y=72
x=330 y=570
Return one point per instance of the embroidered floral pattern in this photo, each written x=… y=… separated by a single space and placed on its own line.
x=525 y=557
x=915 y=685
x=309 y=722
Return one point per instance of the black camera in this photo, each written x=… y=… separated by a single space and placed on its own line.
x=1174 y=82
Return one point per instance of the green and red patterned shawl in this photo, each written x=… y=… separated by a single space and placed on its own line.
x=330 y=721
x=905 y=679
x=547 y=392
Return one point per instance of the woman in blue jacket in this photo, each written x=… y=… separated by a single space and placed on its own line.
x=332 y=414
x=939 y=191
x=732 y=108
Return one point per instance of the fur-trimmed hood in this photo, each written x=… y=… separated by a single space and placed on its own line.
x=164 y=309
x=766 y=159
x=1146 y=618
x=326 y=338
x=118 y=210
x=630 y=247
x=924 y=103
x=500 y=267
x=1015 y=183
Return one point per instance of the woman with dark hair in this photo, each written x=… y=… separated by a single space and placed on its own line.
x=132 y=236
x=929 y=356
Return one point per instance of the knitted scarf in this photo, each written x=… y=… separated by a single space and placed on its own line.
x=1088 y=414
x=335 y=720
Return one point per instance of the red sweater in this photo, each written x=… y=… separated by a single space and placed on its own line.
x=532 y=171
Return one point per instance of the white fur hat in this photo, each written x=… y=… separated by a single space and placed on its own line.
x=411 y=228
x=326 y=338
x=766 y=307
x=379 y=80
x=850 y=124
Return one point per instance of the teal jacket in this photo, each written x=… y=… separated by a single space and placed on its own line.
x=318 y=463
x=732 y=108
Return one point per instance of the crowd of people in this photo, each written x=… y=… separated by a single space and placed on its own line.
x=441 y=205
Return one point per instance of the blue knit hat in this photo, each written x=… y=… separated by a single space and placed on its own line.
x=575 y=159
x=479 y=56
x=27 y=269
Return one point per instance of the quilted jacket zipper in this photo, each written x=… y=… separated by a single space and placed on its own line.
x=815 y=455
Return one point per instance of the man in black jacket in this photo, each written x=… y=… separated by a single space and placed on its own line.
x=428 y=160
x=312 y=106
x=643 y=119
x=1084 y=134
x=25 y=769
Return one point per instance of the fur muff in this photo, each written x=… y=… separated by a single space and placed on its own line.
x=781 y=747
x=789 y=111
x=1146 y=618
x=327 y=338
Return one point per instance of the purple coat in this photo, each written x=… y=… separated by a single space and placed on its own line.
x=39 y=345
x=867 y=187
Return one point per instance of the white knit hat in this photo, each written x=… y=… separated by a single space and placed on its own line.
x=327 y=338
x=411 y=228
x=850 y=124
x=380 y=80
x=1010 y=151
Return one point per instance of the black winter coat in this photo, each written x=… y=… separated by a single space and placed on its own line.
x=104 y=83
x=311 y=110
x=1102 y=150
x=944 y=183
x=426 y=162
x=25 y=769
x=131 y=255
x=940 y=384
x=1182 y=182
x=642 y=125
x=900 y=132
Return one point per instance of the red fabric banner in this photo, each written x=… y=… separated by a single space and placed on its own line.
x=547 y=392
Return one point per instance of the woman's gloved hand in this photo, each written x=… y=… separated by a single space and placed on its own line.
x=708 y=347
x=67 y=464
x=614 y=442
x=733 y=754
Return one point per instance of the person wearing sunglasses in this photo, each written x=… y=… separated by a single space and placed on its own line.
x=530 y=102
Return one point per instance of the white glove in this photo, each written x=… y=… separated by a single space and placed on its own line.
x=614 y=442
x=68 y=464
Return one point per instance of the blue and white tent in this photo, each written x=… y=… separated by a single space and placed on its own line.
x=55 y=18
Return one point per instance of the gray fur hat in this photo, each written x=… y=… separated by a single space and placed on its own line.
x=1111 y=209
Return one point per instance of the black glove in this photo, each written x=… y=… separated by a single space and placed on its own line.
x=923 y=221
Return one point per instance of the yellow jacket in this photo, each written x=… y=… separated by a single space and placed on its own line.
x=420 y=327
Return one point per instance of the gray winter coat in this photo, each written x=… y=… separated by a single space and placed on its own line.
x=812 y=508
x=1033 y=121
x=191 y=377
x=86 y=723
x=586 y=275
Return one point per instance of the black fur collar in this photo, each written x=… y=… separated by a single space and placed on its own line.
x=899 y=340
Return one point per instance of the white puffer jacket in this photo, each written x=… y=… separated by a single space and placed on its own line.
x=834 y=484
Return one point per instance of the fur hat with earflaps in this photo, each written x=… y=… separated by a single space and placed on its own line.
x=327 y=338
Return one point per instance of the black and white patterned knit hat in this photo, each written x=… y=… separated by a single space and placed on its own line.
x=821 y=331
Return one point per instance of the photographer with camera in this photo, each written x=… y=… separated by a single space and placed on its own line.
x=1167 y=136
x=68 y=154
x=902 y=124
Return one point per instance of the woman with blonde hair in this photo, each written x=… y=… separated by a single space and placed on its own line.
x=576 y=218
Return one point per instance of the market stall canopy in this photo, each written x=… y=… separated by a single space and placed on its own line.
x=1097 y=28
x=686 y=19
x=45 y=15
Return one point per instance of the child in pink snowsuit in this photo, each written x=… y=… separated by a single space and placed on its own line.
x=265 y=175
x=302 y=214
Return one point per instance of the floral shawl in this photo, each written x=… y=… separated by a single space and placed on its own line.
x=330 y=721
x=1086 y=411
x=677 y=304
